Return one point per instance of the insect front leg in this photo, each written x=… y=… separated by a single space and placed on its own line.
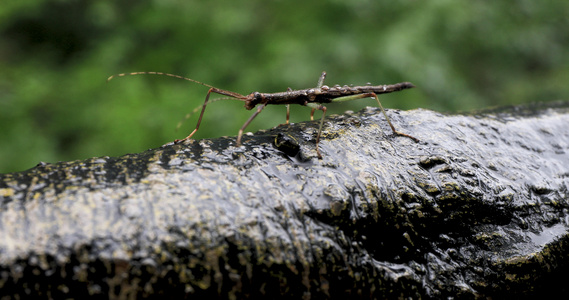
x=314 y=107
x=373 y=95
x=200 y=119
x=259 y=109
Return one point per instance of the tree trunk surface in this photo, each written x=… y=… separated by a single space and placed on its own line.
x=478 y=208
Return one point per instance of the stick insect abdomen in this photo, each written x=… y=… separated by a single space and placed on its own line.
x=341 y=91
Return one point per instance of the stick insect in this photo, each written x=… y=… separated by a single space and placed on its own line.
x=312 y=97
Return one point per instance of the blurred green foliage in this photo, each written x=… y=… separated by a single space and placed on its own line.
x=56 y=55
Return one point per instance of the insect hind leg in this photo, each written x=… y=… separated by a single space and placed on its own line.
x=389 y=121
x=374 y=95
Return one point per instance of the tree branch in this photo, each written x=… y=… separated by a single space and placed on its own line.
x=478 y=207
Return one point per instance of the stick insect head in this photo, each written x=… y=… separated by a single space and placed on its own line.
x=253 y=99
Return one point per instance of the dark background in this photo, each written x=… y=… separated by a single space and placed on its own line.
x=55 y=57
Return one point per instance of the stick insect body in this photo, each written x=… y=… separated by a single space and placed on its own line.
x=312 y=97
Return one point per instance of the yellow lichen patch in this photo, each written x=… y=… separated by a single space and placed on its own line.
x=6 y=192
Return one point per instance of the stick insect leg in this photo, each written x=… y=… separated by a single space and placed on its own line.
x=319 y=85
x=373 y=95
x=288 y=109
x=199 y=120
x=259 y=109
x=321 y=80
x=389 y=121
x=312 y=114
x=316 y=106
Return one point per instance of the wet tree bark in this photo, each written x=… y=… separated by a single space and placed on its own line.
x=478 y=208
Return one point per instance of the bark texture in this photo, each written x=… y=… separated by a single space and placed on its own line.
x=478 y=208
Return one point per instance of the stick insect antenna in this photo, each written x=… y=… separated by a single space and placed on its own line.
x=212 y=89
x=159 y=73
